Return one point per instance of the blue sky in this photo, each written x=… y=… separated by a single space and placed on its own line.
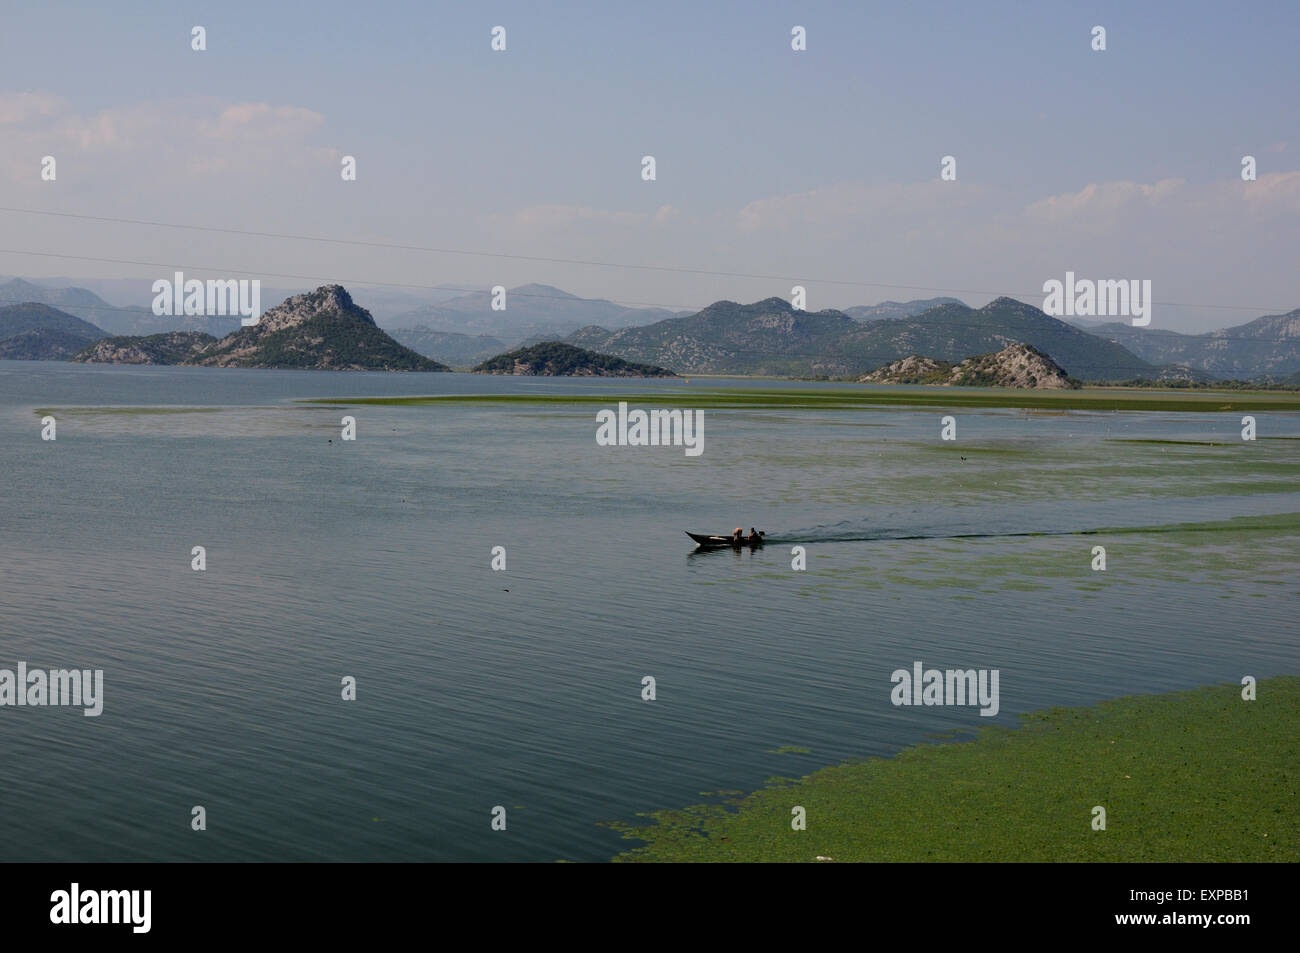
x=821 y=164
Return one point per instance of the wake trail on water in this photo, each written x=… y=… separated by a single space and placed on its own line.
x=880 y=535
x=1018 y=523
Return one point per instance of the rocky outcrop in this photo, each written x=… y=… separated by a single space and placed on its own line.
x=170 y=347
x=1016 y=365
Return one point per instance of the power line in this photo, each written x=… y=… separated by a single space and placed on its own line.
x=568 y=261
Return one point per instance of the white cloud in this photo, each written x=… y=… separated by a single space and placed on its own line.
x=1276 y=191
x=263 y=121
x=147 y=145
x=1170 y=204
x=22 y=107
x=1104 y=199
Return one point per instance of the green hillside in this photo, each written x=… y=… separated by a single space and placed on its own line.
x=771 y=337
x=554 y=359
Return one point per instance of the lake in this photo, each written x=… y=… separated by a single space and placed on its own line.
x=522 y=688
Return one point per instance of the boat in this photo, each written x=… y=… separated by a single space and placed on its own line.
x=710 y=541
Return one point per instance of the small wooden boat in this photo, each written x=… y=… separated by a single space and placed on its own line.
x=718 y=541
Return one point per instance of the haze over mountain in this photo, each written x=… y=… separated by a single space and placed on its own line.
x=770 y=337
x=452 y=333
x=896 y=309
x=137 y=293
x=319 y=330
x=1269 y=345
x=77 y=302
x=115 y=319
x=39 y=332
x=532 y=311
x=449 y=347
x=17 y=318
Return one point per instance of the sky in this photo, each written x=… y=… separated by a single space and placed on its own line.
x=773 y=166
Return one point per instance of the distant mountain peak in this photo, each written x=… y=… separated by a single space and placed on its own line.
x=20 y=291
x=542 y=291
x=1005 y=302
x=325 y=300
x=21 y=286
x=34 y=316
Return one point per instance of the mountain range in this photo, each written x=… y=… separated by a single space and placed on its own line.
x=767 y=337
x=1265 y=346
x=770 y=337
x=531 y=311
x=449 y=347
x=130 y=319
x=896 y=309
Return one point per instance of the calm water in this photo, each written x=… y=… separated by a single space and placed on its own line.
x=522 y=688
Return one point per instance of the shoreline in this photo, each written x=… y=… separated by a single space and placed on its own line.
x=1189 y=776
x=868 y=396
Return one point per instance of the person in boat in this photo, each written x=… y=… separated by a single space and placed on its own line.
x=738 y=536
x=755 y=537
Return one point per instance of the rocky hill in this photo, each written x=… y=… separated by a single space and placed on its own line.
x=911 y=370
x=170 y=347
x=1016 y=365
x=320 y=330
x=554 y=359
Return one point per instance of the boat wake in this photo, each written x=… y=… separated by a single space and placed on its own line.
x=881 y=535
x=1023 y=520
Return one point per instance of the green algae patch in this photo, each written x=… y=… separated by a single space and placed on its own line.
x=1177 y=443
x=1272 y=523
x=853 y=398
x=1201 y=775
